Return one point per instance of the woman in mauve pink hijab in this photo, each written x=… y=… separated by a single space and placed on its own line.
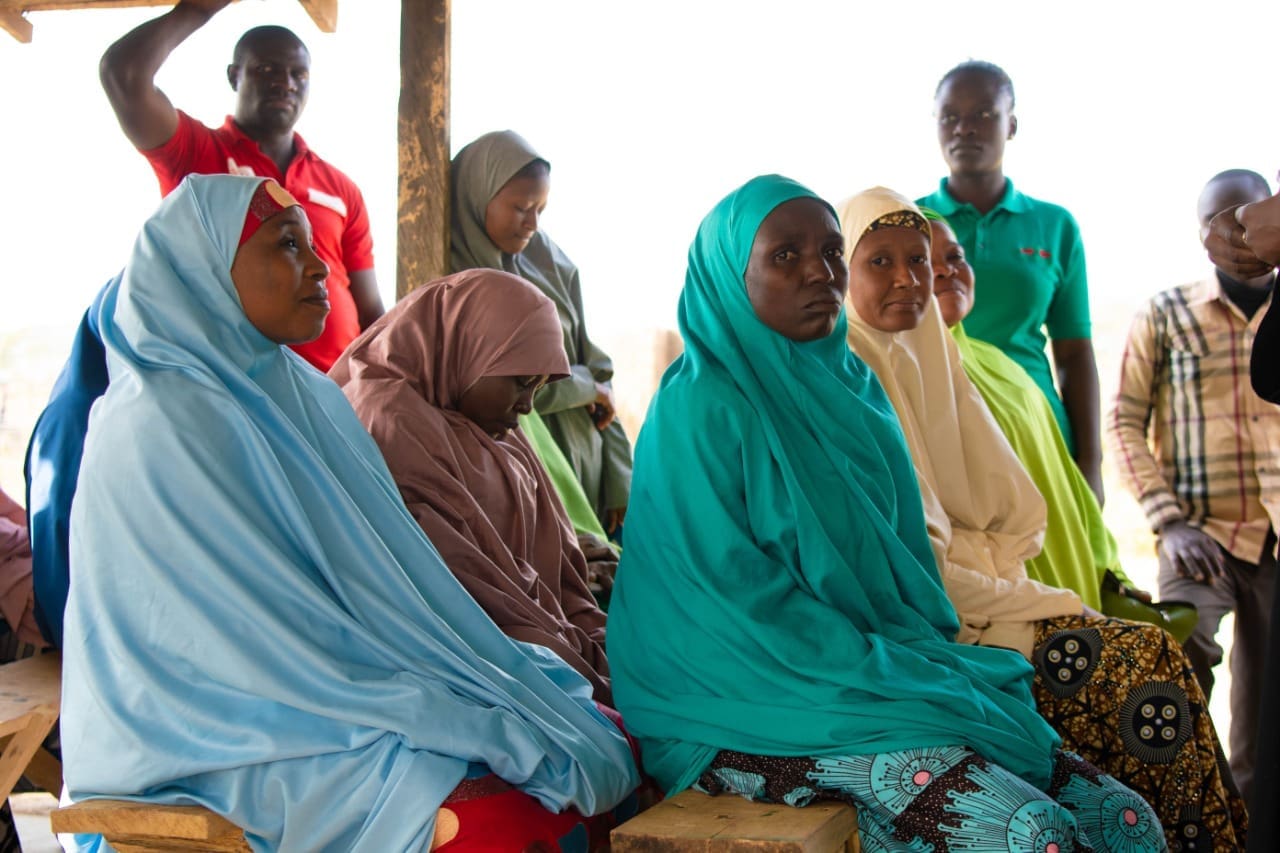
x=440 y=381
x=17 y=606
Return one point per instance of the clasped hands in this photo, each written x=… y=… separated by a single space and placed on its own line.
x=1244 y=241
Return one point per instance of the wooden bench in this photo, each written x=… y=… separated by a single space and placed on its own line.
x=30 y=696
x=691 y=821
x=132 y=827
x=146 y=827
x=685 y=823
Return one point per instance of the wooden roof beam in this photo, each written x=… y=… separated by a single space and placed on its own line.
x=12 y=20
x=324 y=13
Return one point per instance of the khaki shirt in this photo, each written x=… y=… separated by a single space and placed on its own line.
x=1189 y=436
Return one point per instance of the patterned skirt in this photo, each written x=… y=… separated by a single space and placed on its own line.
x=1123 y=696
x=940 y=799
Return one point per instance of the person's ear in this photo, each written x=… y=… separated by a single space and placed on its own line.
x=1013 y=127
x=233 y=76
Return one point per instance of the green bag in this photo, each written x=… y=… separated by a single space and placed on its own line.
x=1177 y=617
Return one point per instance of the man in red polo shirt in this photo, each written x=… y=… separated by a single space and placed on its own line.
x=269 y=73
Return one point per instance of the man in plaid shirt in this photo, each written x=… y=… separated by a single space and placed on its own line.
x=1201 y=452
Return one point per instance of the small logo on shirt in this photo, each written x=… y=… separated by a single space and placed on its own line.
x=323 y=199
x=234 y=168
x=1031 y=253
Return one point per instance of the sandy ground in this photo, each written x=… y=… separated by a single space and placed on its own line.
x=31 y=811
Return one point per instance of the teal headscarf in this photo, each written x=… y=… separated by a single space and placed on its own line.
x=256 y=623
x=778 y=594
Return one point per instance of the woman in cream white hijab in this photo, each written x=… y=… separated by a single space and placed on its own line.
x=1121 y=694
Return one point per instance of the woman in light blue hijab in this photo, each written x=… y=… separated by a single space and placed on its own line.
x=779 y=628
x=255 y=623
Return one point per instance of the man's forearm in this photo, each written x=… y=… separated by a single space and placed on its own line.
x=1078 y=382
x=133 y=61
x=128 y=71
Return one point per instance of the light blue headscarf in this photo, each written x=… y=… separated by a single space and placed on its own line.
x=778 y=594
x=255 y=622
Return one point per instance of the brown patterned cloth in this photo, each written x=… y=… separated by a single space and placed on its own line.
x=1123 y=695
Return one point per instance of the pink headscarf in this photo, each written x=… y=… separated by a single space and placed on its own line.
x=17 y=604
x=487 y=504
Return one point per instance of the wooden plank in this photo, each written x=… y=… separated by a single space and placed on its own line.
x=324 y=13
x=52 y=5
x=423 y=222
x=691 y=821
x=130 y=820
x=12 y=22
x=22 y=745
x=129 y=844
x=45 y=772
x=141 y=844
x=29 y=686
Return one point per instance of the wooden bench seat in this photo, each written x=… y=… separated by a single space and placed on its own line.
x=685 y=823
x=30 y=697
x=132 y=827
x=691 y=821
x=145 y=827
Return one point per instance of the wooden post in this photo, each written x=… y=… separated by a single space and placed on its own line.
x=422 y=251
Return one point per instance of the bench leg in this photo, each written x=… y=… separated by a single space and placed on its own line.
x=22 y=745
x=45 y=772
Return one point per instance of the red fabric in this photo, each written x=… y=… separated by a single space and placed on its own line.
x=492 y=815
x=262 y=207
x=511 y=820
x=339 y=219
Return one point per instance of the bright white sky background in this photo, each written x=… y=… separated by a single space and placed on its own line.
x=651 y=111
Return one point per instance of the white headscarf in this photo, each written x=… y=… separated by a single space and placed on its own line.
x=984 y=514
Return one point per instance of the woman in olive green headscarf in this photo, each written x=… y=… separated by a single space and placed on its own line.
x=500 y=187
x=779 y=629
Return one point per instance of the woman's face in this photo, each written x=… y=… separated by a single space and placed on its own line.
x=975 y=120
x=890 y=278
x=494 y=403
x=280 y=279
x=796 y=275
x=511 y=217
x=952 y=275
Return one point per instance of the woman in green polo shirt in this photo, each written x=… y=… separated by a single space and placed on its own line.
x=1027 y=253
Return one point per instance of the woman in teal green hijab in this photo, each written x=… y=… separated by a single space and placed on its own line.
x=779 y=628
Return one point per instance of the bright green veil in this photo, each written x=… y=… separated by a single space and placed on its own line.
x=1078 y=548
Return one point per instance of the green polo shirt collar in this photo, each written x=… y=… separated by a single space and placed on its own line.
x=1012 y=200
